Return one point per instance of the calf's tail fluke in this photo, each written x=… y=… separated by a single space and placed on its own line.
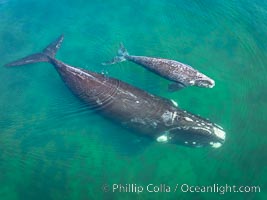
x=120 y=57
x=44 y=56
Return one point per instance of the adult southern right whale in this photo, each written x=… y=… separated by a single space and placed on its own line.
x=133 y=108
x=181 y=74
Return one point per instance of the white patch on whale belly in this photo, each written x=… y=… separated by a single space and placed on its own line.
x=162 y=138
x=174 y=103
x=216 y=144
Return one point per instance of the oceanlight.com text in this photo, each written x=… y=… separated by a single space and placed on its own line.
x=181 y=188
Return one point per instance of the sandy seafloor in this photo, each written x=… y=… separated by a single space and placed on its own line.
x=52 y=147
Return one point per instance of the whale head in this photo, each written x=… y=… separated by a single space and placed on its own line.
x=194 y=131
x=207 y=83
x=203 y=81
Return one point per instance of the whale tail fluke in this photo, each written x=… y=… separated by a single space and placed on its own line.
x=45 y=56
x=120 y=57
x=53 y=47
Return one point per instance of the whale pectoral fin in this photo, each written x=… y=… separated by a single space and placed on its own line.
x=173 y=87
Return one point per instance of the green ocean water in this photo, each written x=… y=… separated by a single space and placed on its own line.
x=53 y=147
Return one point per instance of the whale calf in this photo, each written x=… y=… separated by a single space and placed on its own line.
x=144 y=113
x=181 y=74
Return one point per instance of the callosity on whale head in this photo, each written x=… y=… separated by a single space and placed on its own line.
x=193 y=131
